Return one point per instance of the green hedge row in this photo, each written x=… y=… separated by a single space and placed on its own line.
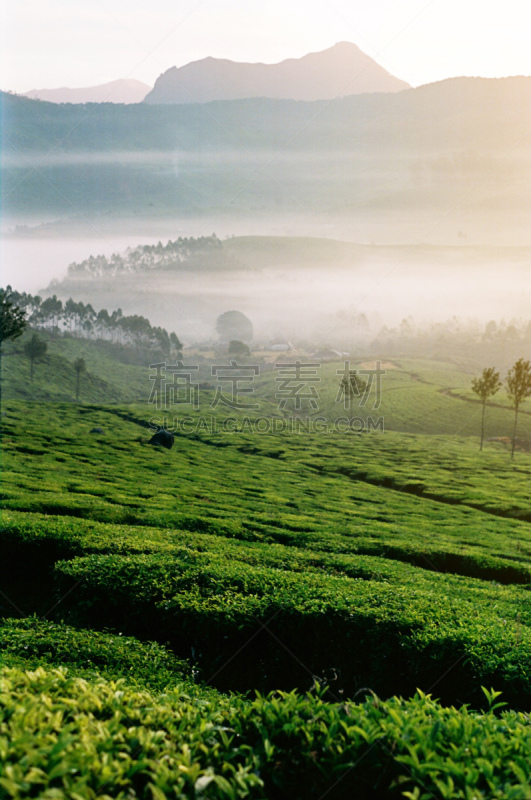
x=34 y=642
x=258 y=626
x=39 y=539
x=438 y=486
x=65 y=737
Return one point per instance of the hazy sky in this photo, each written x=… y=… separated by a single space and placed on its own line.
x=73 y=43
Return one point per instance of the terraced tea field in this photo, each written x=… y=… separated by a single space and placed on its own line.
x=374 y=588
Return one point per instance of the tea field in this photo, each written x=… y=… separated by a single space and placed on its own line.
x=259 y=613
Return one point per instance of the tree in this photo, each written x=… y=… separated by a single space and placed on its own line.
x=35 y=348
x=518 y=384
x=486 y=387
x=80 y=367
x=237 y=348
x=51 y=307
x=12 y=318
x=176 y=343
x=234 y=325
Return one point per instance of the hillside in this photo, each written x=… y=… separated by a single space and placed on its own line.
x=419 y=395
x=107 y=379
x=121 y=91
x=394 y=167
x=340 y=70
x=259 y=613
x=458 y=112
x=418 y=544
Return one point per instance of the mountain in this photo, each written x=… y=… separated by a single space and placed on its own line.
x=446 y=161
x=122 y=91
x=338 y=71
x=472 y=115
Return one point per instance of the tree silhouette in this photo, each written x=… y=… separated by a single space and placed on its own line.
x=12 y=318
x=486 y=387
x=80 y=367
x=518 y=384
x=35 y=348
x=237 y=348
x=12 y=321
x=51 y=307
x=176 y=343
x=234 y=325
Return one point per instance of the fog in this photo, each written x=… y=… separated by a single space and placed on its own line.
x=29 y=264
x=291 y=295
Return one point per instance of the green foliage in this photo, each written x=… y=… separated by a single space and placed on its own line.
x=518 y=389
x=419 y=396
x=487 y=385
x=79 y=367
x=12 y=318
x=352 y=387
x=332 y=562
x=132 y=332
x=110 y=376
x=66 y=737
x=35 y=348
x=34 y=642
x=519 y=382
x=394 y=634
x=237 y=348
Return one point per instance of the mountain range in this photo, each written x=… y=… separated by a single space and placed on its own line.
x=336 y=72
x=473 y=115
x=449 y=158
x=121 y=91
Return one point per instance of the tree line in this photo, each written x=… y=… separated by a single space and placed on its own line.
x=20 y=310
x=81 y=320
x=188 y=253
x=501 y=340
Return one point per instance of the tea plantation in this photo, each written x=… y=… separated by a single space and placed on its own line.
x=266 y=614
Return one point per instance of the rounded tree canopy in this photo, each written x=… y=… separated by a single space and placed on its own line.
x=233 y=325
x=237 y=348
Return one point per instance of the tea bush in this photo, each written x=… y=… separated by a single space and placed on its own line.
x=63 y=736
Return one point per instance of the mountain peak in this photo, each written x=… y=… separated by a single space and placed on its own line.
x=342 y=69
